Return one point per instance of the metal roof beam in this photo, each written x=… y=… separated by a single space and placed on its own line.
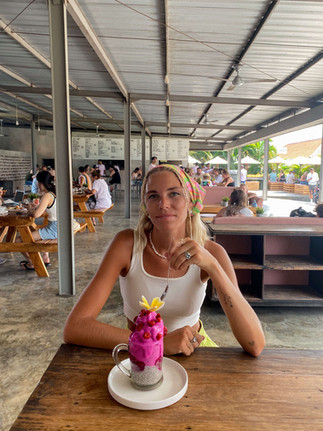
x=198 y=126
x=221 y=100
x=306 y=119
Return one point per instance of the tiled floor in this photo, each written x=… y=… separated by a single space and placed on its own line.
x=33 y=315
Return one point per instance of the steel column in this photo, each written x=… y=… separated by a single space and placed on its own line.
x=239 y=168
x=127 y=136
x=265 y=170
x=321 y=171
x=33 y=146
x=143 y=151
x=62 y=141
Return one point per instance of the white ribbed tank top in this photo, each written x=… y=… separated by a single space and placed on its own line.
x=184 y=298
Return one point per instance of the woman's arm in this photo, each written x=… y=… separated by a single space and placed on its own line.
x=82 y=326
x=45 y=202
x=214 y=260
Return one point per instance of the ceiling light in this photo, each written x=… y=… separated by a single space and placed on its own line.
x=97 y=130
x=38 y=129
x=1 y=131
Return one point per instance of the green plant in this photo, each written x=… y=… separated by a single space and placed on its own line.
x=32 y=196
x=225 y=199
x=259 y=211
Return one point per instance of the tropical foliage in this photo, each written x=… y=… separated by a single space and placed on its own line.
x=256 y=151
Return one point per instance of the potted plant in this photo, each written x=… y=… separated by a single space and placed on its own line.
x=259 y=212
x=225 y=201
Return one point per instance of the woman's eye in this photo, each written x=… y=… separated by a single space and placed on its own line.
x=174 y=194
x=152 y=197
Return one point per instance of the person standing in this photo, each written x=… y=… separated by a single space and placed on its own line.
x=243 y=176
x=101 y=168
x=312 y=179
x=272 y=176
x=153 y=163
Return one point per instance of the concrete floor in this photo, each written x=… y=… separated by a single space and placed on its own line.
x=33 y=315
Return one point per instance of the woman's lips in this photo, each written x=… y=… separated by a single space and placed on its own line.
x=165 y=216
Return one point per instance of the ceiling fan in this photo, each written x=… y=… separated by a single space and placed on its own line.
x=238 y=80
x=207 y=119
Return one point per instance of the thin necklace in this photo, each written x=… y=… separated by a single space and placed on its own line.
x=153 y=247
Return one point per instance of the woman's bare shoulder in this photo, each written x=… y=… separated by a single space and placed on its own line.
x=215 y=249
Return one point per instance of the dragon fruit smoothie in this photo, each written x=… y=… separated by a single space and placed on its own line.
x=146 y=348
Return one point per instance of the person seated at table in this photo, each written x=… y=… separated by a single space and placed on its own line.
x=290 y=179
x=114 y=178
x=206 y=180
x=227 y=181
x=169 y=235
x=217 y=177
x=47 y=203
x=100 y=192
x=84 y=180
x=238 y=206
x=252 y=197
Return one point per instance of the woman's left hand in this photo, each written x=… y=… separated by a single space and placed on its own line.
x=187 y=252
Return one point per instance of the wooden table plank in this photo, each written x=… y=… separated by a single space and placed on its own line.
x=228 y=390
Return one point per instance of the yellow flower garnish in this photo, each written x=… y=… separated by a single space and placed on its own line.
x=156 y=304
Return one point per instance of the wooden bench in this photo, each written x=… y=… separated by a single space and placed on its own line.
x=88 y=215
x=36 y=247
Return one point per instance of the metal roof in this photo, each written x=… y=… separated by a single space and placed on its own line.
x=176 y=61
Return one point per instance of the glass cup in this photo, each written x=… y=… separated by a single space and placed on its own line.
x=145 y=371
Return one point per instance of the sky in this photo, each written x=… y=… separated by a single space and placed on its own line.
x=314 y=132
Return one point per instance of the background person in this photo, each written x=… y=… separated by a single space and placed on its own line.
x=272 y=176
x=153 y=163
x=227 y=181
x=47 y=203
x=101 y=192
x=312 y=179
x=169 y=234
x=101 y=168
x=243 y=176
x=319 y=210
x=238 y=206
x=114 y=178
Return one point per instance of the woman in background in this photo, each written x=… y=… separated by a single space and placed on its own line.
x=47 y=203
x=238 y=206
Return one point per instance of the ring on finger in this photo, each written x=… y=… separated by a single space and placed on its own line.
x=187 y=255
x=193 y=340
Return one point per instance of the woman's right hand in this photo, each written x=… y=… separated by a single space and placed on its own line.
x=180 y=341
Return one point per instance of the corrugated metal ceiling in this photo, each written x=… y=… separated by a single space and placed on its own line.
x=194 y=44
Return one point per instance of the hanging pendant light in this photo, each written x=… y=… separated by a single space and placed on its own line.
x=1 y=131
x=38 y=129
x=17 y=120
x=97 y=130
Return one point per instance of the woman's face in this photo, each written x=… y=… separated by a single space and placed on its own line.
x=165 y=201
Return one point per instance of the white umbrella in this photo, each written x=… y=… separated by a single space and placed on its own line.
x=249 y=161
x=217 y=161
x=300 y=160
x=192 y=161
x=277 y=160
x=315 y=160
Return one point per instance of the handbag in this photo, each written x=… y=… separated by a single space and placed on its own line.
x=91 y=202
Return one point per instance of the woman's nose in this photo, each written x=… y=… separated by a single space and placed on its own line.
x=164 y=202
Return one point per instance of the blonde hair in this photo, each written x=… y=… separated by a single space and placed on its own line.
x=194 y=227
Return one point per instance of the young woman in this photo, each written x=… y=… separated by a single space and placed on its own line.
x=169 y=235
x=47 y=203
x=101 y=192
x=227 y=181
x=238 y=205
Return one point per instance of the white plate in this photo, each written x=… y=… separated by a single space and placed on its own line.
x=169 y=392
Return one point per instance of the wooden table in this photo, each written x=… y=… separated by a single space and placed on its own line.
x=80 y=200
x=10 y=225
x=227 y=390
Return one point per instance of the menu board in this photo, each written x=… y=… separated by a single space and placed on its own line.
x=113 y=148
